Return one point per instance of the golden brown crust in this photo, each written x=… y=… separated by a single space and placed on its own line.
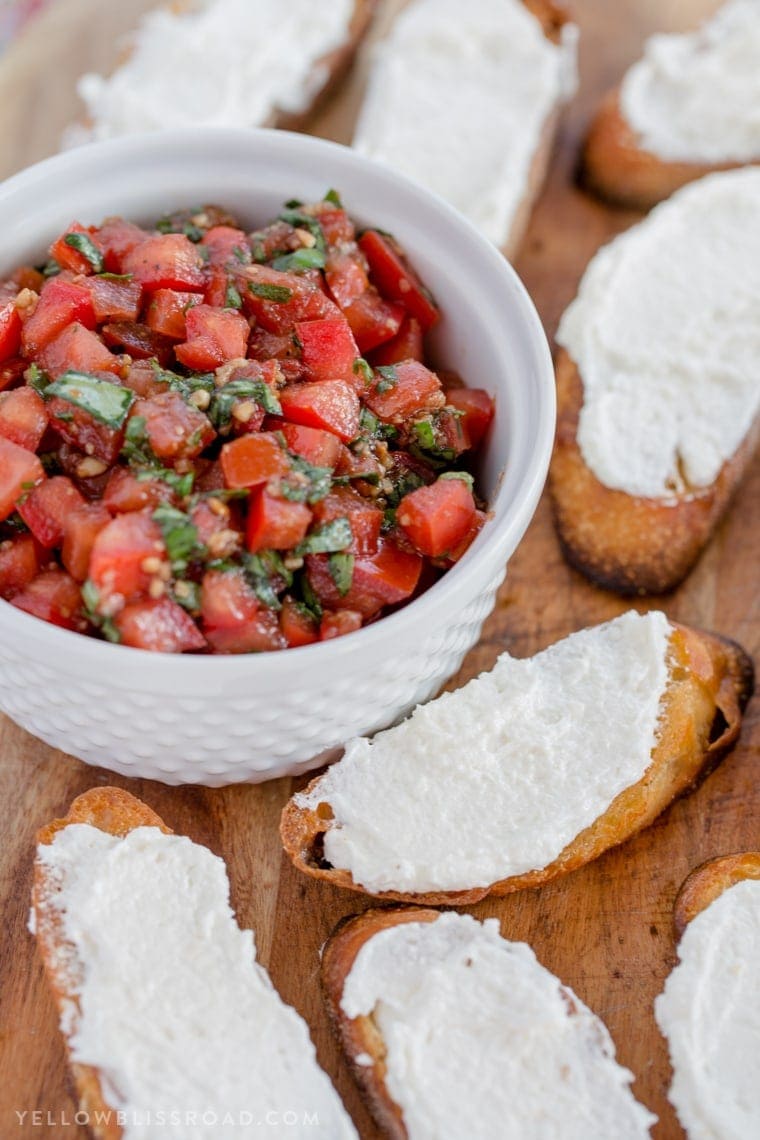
x=711 y=879
x=117 y=813
x=621 y=542
x=360 y=1035
x=711 y=680
x=616 y=167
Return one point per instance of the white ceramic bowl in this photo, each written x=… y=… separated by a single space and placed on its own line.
x=219 y=720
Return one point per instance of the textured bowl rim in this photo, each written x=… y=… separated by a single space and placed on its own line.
x=492 y=547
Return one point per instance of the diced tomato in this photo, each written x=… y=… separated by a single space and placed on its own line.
x=386 y=578
x=175 y=430
x=117 y=238
x=477 y=407
x=210 y=476
x=67 y=256
x=365 y=519
x=19 y=471
x=274 y=523
x=298 y=626
x=406 y=345
x=331 y=405
x=346 y=276
x=364 y=466
x=268 y=346
x=233 y=620
x=328 y=349
x=316 y=446
x=121 y=563
x=226 y=244
x=23 y=417
x=410 y=388
x=144 y=380
x=53 y=596
x=301 y=298
x=79 y=350
x=210 y=518
x=44 y=509
x=336 y=225
x=373 y=320
x=138 y=341
x=169 y=261
x=337 y=623
x=81 y=526
x=167 y=310
x=10 y=331
x=213 y=337
x=125 y=492
x=395 y=280
x=159 y=626
x=252 y=459
x=12 y=372
x=114 y=300
x=435 y=519
x=86 y=434
x=27 y=277
x=217 y=287
x=61 y=303
x=19 y=564
x=462 y=547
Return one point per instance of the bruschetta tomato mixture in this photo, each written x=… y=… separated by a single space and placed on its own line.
x=227 y=442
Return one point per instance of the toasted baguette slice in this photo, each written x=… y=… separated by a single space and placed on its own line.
x=319 y=78
x=621 y=542
x=443 y=1047
x=119 y=814
x=376 y=128
x=708 y=683
x=709 y=1010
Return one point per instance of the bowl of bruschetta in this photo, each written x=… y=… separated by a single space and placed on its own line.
x=273 y=420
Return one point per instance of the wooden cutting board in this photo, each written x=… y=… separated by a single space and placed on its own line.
x=606 y=930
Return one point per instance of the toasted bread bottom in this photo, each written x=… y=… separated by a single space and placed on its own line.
x=622 y=542
x=117 y=813
x=616 y=167
x=710 y=682
x=707 y=882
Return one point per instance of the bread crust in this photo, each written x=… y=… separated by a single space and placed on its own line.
x=616 y=166
x=704 y=885
x=622 y=542
x=711 y=681
x=117 y=813
x=360 y=1035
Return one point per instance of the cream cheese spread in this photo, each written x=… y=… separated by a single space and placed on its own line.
x=709 y=1013
x=458 y=97
x=483 y=1042
x=190 y=1038
x=665 y=332
x=696 y=97
x=495 y=779
x=227 y=63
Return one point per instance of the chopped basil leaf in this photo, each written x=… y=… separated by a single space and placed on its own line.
x=407 y=481
x=259 y=572
x=180 y=536
x=306 y=222
x=232 y=298
x=300 y=259
x=374 y=428
x=424 y=434
x=91 y=600
x=241 y=254
x=362 y=367
x=107 y=403
x=388 y=381
x=279 y=293
x=224 y=399
x=310 y=599
x=465 y=477
x=36 y=378
x=116 y=276
x=182 y=484
x=173 y=226
x=293 y=204
x=341 y=567
x=84 y=244
x=329 y=538
x=305 y=483
x=188 y=595
x=185 y=385
x=138 y=453
x=64 y=417
x=51 y=268
x=334 y=197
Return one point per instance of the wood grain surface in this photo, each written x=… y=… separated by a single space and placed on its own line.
x=607 y=929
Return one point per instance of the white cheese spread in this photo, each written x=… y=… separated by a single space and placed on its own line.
x=226 y=63
x=495 y=779
x=709 y=1013
x=191 y=1039
x=483 y=1042
x=665 y=331
x=458 y=97
x=696 y=97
